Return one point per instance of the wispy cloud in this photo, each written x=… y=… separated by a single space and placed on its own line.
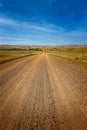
x=11 y=22
x=25 y=32
x=77 y=33
x=75 y=36
x=7 y=21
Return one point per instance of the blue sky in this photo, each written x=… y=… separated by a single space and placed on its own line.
x=43 y=22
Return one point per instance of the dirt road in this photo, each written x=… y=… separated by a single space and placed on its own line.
x=42 y=93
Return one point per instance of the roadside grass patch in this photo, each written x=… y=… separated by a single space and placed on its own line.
x=8 y=53
x=75 y=54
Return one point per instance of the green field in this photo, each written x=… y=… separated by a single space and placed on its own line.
x=8 y=53
x=75 y=54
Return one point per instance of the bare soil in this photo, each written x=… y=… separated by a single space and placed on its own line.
x=42 y=93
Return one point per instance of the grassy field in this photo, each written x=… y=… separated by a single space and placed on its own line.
x=8 y=53
x=75 y=54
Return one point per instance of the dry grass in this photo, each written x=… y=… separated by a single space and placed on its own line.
x=8 y=53
x=75 y=54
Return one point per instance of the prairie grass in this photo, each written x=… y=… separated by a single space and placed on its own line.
x=8 y=53
x=75 y=54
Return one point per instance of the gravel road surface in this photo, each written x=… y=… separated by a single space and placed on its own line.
x=42 y=93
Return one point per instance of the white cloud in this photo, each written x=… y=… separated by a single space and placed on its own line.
x=7 y=21
x=37 y=33
x=44 y=27
x=77 y=33
x=41 y=28
x=24 y=25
